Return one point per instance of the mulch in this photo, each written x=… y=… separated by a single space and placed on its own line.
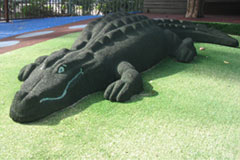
x=62 y=30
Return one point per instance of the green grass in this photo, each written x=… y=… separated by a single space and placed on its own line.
x=187 y=111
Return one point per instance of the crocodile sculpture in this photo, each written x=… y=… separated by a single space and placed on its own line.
x=109 y=55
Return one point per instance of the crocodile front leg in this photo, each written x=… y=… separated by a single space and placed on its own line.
x=128 y=85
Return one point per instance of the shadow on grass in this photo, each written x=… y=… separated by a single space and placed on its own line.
x=212 y=62
x=70 y=111
x=86 y=102
x=168 y=66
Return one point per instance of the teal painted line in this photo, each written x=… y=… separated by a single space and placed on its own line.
x=65 y=90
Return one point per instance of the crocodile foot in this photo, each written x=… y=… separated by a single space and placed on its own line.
x=129 y=84
x=186 y=51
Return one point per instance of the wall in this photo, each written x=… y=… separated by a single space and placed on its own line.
x=165 y=6
x=223 y=7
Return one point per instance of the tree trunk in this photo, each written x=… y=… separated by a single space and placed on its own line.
x=195 y=8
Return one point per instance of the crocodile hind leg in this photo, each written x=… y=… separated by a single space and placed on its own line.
x=186 y=51
x=182 y=50
x=129 y=84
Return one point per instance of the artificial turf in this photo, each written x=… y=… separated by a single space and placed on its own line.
x=187 y=111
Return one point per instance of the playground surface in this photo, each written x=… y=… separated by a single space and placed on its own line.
x=26 y=32
x=17 y=27
x=21 y=33
x=186 y=111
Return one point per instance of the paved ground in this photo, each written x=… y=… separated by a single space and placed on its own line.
x=16 y=27
x=27 y=39
x=30 y=38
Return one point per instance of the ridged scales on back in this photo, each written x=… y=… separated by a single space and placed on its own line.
x=129 y=22
x=105 y=35
x=109 y=55
x=112 y=27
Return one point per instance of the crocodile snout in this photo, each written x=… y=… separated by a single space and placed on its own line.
x=23 y=108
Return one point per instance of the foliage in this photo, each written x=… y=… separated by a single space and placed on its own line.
x=37 y=9
x=47 y=8
x=110 y=6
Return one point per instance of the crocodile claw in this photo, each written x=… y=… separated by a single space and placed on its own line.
x=119 y=91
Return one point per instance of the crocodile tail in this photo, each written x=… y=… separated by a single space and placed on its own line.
x=198 y=32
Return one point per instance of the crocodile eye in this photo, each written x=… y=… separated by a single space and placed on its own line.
x=61 y=69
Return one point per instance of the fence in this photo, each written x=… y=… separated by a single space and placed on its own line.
x=19 y=9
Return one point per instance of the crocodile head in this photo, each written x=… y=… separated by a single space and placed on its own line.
x=59 y=81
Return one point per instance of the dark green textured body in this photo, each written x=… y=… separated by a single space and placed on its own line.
x=117 y=38
x=127 y=38
x=109 y=55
